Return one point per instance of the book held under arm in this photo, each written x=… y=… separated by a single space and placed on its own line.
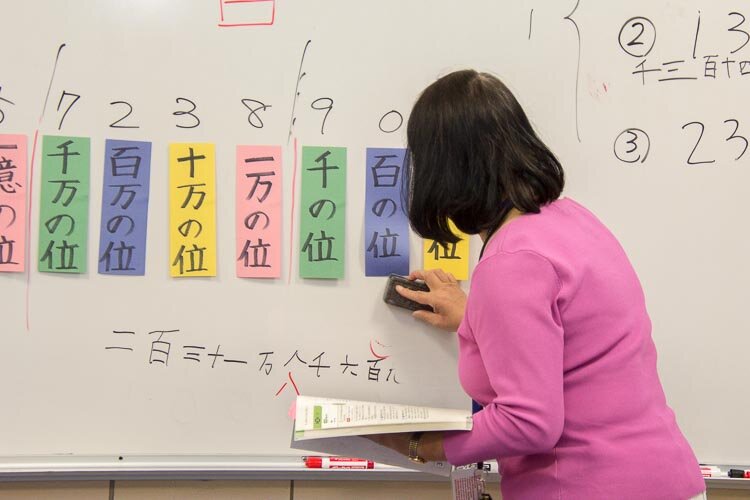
x=336 y=426
x=324 y=417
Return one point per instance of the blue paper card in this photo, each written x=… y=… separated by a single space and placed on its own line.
x=386 y=223
x=127 y=171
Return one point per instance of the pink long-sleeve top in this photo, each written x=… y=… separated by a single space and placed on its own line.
x=556 y=345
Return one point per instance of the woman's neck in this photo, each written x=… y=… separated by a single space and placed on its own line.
x=512 y=214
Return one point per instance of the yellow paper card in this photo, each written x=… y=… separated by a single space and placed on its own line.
x=192 y=210
x=453 y=258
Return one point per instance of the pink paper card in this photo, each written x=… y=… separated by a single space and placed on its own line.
x=12 y=203
x=259 y=213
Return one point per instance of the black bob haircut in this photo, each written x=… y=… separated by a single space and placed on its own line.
x=473 y=156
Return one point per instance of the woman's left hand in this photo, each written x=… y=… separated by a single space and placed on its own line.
x=398 y=441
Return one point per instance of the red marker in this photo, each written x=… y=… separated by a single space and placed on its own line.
x=712 y=471
x=337 y=463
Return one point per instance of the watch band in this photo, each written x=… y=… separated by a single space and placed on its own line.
x=413 y=448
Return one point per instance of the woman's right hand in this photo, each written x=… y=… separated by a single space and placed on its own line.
x=447 y=299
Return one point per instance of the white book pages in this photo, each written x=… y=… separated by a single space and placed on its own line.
x=314 y=416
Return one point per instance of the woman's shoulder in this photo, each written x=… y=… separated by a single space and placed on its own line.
x=562 y=232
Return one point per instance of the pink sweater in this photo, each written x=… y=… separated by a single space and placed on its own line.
x=556 y=345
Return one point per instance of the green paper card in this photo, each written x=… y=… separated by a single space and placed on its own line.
x=64 y=204
x=322 y=212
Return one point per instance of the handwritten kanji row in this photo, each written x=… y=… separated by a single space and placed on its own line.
x=160 y=348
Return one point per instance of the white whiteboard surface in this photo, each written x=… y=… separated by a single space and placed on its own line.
x=684 y=226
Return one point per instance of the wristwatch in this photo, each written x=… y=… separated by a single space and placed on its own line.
x=413 y=445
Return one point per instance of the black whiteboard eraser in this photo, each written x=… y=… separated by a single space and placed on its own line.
x=392 y=297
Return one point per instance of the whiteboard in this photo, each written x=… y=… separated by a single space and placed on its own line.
x=680 y=220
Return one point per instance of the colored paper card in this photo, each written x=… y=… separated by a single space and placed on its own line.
x=64 y=204
x=238 y=13
x=12 y=203
x=192 y=210
x=386 y=223
x=322 y=212
x=122 y=240
x=452 y=258
x=259 y=214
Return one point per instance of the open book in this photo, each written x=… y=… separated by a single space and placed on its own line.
x=324 y=417
x=335 y=426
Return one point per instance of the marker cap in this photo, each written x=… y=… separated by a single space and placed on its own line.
x=738 y=473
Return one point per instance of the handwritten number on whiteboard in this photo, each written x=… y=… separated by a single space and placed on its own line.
x=323 y=103
x=632 y=146
x=631 y=142
x=635 y=41
x=735 y=136
x=742 y=32
x=398 y=121
x=62 y=98
x=700 y=137
x=189 y=112
x=115 y=124
x=637 y=36
x=254 y=106
x=2 y=114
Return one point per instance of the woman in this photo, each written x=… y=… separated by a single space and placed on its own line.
x=555 y=341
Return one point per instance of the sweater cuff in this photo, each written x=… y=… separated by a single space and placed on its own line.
x=453 y=446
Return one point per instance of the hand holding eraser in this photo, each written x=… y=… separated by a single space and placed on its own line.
x=392 y=297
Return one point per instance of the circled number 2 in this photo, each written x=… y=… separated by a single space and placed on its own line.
x=637 y=36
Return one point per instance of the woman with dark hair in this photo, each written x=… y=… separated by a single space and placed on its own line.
x=554 y=338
